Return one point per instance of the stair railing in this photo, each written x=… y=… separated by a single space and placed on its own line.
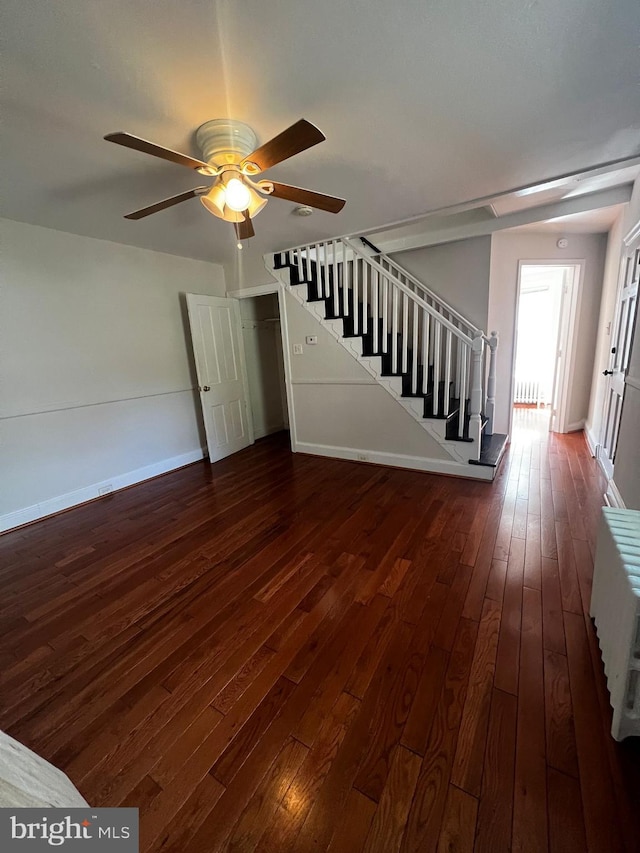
x=419 y=287
x=419 y=341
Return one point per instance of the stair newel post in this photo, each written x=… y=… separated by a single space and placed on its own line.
x=491 y=383
x=475 y=400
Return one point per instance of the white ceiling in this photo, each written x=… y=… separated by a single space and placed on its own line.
x=424 y=105
x=589 y=222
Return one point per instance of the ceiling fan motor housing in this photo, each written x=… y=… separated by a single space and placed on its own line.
x=224 y=141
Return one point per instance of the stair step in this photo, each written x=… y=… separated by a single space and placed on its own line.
x=492 y=449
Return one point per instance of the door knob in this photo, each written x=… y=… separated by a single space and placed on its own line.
x=607 y=372
x=205 y=388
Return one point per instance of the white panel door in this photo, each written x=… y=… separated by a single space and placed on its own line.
x=621 y=339
x=215 y=324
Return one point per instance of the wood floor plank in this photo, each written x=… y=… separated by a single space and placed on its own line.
x=427 y=809
x=468 y=763
x=296 y=800
x=390 y=818
x=459 y=822
x=561 y=740
x=415 y=735
x=508 y=655
x=353 y=823
x=264 y=802
x=552 y=621
x=530 y=789
x=566 y=821
x=495 y=811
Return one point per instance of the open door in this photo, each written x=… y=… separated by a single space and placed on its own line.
x=215 y=324
x=626 y=307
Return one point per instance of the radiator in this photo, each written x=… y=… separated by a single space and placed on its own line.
x=528 y=391
x=615 y=608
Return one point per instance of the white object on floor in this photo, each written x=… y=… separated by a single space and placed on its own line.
x=615 y=608
x=28 y=781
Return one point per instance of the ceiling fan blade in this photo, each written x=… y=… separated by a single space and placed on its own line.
x=293 y=140
x=313 y=199
x=167 y=202
x=129 y=141
x=244 y=230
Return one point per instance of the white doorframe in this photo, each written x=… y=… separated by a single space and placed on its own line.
x=264 y=290
x=569 y=311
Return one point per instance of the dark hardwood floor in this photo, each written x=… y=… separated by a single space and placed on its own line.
x=289 y=653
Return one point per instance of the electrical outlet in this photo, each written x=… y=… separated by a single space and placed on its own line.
x=297 y=349
x=105 y=490
x=362 y=457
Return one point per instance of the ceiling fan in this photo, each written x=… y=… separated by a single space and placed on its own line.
x=230 y=155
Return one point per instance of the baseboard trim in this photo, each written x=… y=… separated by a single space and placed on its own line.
x=398 y=460
x=613 y=497
x=576 y=426
x=262 y=433
x=52 y=506
x=592 y=444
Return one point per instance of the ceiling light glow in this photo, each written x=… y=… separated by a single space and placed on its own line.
x=238 y=196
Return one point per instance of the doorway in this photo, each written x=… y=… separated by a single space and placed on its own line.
x=262 y=341
x=545 y=319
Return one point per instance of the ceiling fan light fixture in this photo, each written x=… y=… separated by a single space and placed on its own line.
x=216 y=201
x=238 y=197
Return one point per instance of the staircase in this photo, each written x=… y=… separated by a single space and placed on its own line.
x=431 y=359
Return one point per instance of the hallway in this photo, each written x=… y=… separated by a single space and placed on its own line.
x=285 y=652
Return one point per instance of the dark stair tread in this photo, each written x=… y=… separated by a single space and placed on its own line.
x=492 y=449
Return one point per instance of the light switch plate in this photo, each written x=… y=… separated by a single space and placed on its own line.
x=312 y=340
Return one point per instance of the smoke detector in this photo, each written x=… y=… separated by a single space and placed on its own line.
x=305 y=210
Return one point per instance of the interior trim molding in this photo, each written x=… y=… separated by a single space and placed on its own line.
x=592 y=444
x=576 y=426
x=257 y=290
x=52 y=506
x=65 y=407
x=329 y=381
x=613 y=497
x=632 y=234
x=399 y=460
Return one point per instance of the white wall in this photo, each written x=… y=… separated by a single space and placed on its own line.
x=97 y=373
x=593 y=424
x=338 y=406
x=458 y=272
x=263 y=356
x=507 y=249
x=626 y=472
x=246 y=270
